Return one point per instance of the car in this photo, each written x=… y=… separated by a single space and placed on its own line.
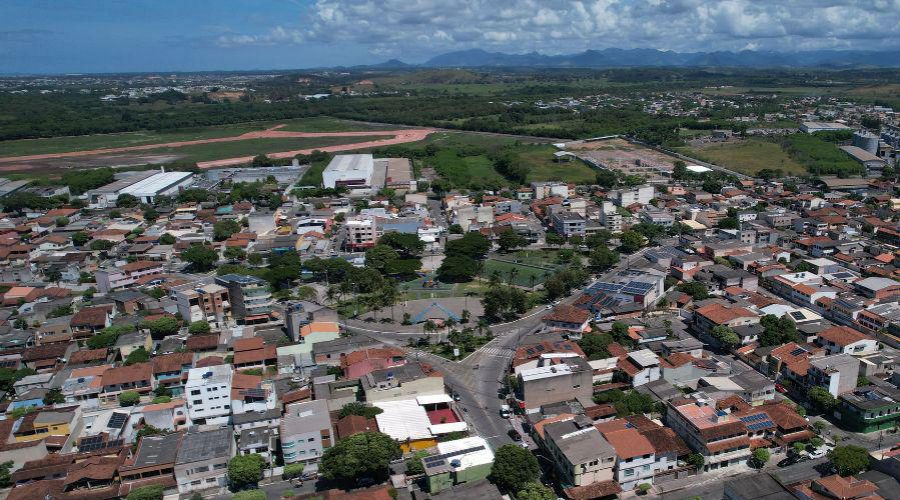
x=456 y=396
x=818 y=453
x=794 y=459
x=780 y=388
x=514 y=435
x=504 y=411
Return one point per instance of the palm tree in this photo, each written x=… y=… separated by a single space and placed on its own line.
x=512 y=274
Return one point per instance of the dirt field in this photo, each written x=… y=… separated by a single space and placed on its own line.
x=619 y=154
x=130 y=155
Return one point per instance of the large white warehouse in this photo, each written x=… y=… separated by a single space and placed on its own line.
x=351 y=171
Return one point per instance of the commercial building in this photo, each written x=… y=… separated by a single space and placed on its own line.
x=869 y=409
x=159 y=184
x=106 y=196
x=458 y=461
x=873 y=164
x=202 y=460
x=560 y=379
x=208 y=394
x=305 y=431
x=813 y=127
x=350 y=171
x=251 y=301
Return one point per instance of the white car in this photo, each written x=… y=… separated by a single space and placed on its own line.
x=818 y=453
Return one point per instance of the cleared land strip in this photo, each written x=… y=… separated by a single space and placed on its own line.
x=399 y=137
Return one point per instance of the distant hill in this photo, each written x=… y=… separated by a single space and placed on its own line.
x=619 y=58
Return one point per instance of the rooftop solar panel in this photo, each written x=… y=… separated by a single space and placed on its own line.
x=117 y=420
x=797 y=315
x=798 y=351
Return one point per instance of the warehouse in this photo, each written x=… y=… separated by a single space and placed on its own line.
x=145 y=186
x=874 y=165
x=351 y=171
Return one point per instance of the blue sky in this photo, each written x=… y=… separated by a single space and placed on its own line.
x=79 y=36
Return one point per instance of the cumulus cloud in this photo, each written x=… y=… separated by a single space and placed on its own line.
x=418 y=28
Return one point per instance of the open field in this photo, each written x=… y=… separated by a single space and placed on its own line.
x=127 y=139
x=542 y=166
x=748 y=156
x=518 y=274
x=621 y=155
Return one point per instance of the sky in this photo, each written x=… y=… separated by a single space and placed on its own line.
x=90 y=36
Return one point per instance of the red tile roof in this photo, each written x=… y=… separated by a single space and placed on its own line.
x=843 y=336
x=125 y=374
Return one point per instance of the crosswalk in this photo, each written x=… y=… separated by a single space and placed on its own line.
x=497 y=352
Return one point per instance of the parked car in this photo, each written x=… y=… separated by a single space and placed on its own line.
x=504 y=411
x=514 y=435
x=818 y=452
x=794 y=459
x=780 y=388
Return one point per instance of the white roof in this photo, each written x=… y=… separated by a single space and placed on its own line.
x=698 y=168
x=471 y=459
x=722 y=383
x=351 y=163
x=545 y=372
x=156 y=183
x=403 y=420
x=438 y=429
x=644 y=357
x=433 y=399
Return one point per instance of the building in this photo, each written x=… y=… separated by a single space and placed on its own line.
x=153 y=461
x=458 y=461
x=203 y=302
x=208 y=394
x=869 y=409
x=249 y=296
x=125 y=276
x=837 y=373
x=581 y=455
x=350 y=171
x=610 y=217
x=568 y=318
x=562 y=379
x=403 y=382
x=202 y=459
x=721 y=438
x=710 y=316
x=813 y=127
x=566 y=223
x=305 y=431
x=362 y=232
x=845 y=340
x=873 y=164
x=106 y=196
x=640 y=195
x=159 y=184
x=635 y=455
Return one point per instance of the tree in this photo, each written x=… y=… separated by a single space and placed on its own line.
x=631 y=241
x=504 y=303
x=359 y=456
x=245 y=470
x=62 y=221
x=594 y=345
x=167 y=239
x=603 y=258
x=234 y=253
x=101 y=245
x=139 y=355
x=778 y=331
x=821 y=399
x=407 y=244
x=849 y=459
x=696 y=460
x=292 y=471
x=5 y=479
x=458 y=269
x=414 y=465
x=514 y=467
x=510 y=240
x=162 y=327
x=760 y=457
x=198 y=328
x=126 y=200
x=816 y=442
x=554 y=239
x=473 y=245
x=360 y=409
x=53 y=275
x=379 y=256
x=728 y=223
x=161 y=399
x=200 y=257
x=54 y=397
x=129 y=398
x=862 y=381
x=152 y=492
x=223 y=229
x=643 y=488
x=534 y=490
x=80 y=238
x=726 y=336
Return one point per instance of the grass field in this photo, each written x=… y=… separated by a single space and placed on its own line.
x=749 y=156
x=101 y=141
x=253 y=147
x=542 y=167
x=518 y=274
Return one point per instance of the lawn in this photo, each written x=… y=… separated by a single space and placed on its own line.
x=543 y=167
x=463 y=170
x=253 y=147
x=518 y=274
x=102 y=141
x=749 y=157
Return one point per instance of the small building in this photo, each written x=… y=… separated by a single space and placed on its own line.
x=202 y=459
x=458 y=461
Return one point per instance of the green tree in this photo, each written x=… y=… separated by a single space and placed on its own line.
x=407 y=244
x=5 y=479
x=816 y=442
x=234 y=253
x=362 y=455
x=198 y=328
x=292 y=471
x=821 y=399
x=728 y=223
x=696 y=460
x=849 y=459
x=503 y=303
x=514 y=467
x=360 y=409
x=54 y=397
x=245 y=470
x=62 y=221
x=510 y=240
x=458 y=269
x=473 y=244
x=595 y=345
x=726 y=336
x=101 y=245
x=223 y=229
x=129 y=398
x=126 y=200
x=631 y=242
x=379 y=256
x=80 y=238
x=554 y=239
x=166 y=239
x=760 y=457
x=603 y=258
x=139 y=355
x=200 y=257
x=778 y=331
x=534 y=490
x=414 y=465
x=152 y=492
x=162 y=327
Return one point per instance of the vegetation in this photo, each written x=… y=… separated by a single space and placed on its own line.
x=726 y=336
x=778 y=331
x=292 y=471
x=535 y=491
x=849 y=459
x=360 y=456
x=821 y=399
x=359 y=408
x=696 y=460
x=162 y=327
x=129 y=398
x=245 y=470
x=200 y=257
x=152 y=492
x=760 y=457
x=820 y=156
x=139 y=355
x=108 y=336
x=514 y=467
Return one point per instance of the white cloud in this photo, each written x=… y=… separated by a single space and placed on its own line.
x=419 y=28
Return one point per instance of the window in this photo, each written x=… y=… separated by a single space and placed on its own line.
x=198 y=402
x=288 y=445
x=222 y=465
x=195 y=392
x=629 y=472
x=310 y=440
x=646 y=467
x=196 y=483
x=210 y=480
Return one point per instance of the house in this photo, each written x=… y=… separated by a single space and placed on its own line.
x=92 y=319
x=137 y=377
x=844 y=340
x=202 y=460
x=402 y=382
x=708 y=317
x=153 y=462
x=315 y=332
x=458 y=461
x=581 y=455
x=250 y=393
x=125 y=276
x=305 y=431
x=168 y=370
x=568 y=318
x=635 y=455
x=172 y=415
x=719 y=437
x=359 y=363
x=641 y=367
x=254 y=353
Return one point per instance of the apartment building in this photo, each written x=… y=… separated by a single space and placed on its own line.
x=719 y=437
x=203 y=302
x=202 y=459
x=610 y=217
x=869 y=409
x=837 y=373
x=635 y=455
x=567 y=223
x=640 y=195
x=560 y=379
x=251 y=301
x=362 y=232
x=305 y=431
x=118 y=278
x=581 y=454
x=208 y=394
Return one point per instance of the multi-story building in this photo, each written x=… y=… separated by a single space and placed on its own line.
x=845 y=340
x=635 y=455
x=202 y=459
x=203 y=302
x=560 y=379
x=640 y=195
x=208 y=394
x=581 y=454
x=351 y=171
x=719 y=437
x=362 y=232
x=568 y=223
x=610 y=217
x=251 y=301
x=117 y=278
x=710 y=316
x=305 y=431
x=837 y=373
x=869 y=409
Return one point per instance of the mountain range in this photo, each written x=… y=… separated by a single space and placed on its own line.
x=624 y=58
